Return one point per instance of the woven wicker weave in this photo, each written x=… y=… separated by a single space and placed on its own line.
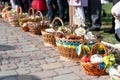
x=37 y=25
x=92 y=68
x=13 y=18
x=5 y=13
x=69 y=53
x=49 y=38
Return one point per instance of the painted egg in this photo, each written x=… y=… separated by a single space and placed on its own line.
x=96 y=58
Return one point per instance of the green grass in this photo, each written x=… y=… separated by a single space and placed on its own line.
x=107 y=24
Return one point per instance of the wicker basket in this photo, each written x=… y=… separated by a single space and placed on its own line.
x=92 y=68
x=13 y=18
x=66 y=52
x=49 y=38
x=38 y=24
x=5 y=12
x=25 y=20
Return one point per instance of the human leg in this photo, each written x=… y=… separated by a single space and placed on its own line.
x=61 y=7
x=51 y=9
x=95 y=14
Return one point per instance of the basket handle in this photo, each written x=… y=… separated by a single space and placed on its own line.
x=57 y=18
x=19 y=10
x=94 y=48
x=29 y=10
x=4 y=10
x=40 y=13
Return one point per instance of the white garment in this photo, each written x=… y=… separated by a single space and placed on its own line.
x=116 y=13
x=116 y=9
x=79 y=17
x=117 y=27
x=14 y=6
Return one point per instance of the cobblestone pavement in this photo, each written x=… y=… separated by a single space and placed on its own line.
x=24 y=57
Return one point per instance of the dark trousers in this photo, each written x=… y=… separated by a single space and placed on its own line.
x=61 y=6
x=51 y=9
x=94 y=8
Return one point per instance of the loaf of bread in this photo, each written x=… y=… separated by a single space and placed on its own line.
x=71 y=36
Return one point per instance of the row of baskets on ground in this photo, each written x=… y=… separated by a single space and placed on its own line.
x=31 y=21
x=70 y=49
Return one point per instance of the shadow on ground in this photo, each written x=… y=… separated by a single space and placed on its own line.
x=20 y=77
x=7 y=47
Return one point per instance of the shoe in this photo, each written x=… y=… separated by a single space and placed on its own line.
x=94 y=29
x=117 y=38
x=111 y=31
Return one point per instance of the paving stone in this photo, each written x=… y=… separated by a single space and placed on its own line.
x=46 y=48
x=46 y=56
x=42 y=62
x=50 y=60
x=24 y=77
x=8 y=67
x=52 y=53
x=35 y=69
x=10 y=73
x=51 y=66
x=67 y=77
x=37 y=57
x=69 y=64
x=10 y=78
x=24 y=59
x=19 y=55
x=63 y=71
x=90 y=77
x=1 y=57
x=39 y=52
x=22 y=71
x=105 y=77
x=48 y=79
x=2 y=53
x=34 y=63
x=23 y=65
x=44 y=74
x=18 y=50
x=14 y=60
x=5 y=56
x=5 y=61
x=30 y=49
x=77 y=70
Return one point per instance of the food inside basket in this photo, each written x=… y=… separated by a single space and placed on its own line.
x=74 y=33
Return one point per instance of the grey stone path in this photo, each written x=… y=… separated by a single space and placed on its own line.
x=24 y=57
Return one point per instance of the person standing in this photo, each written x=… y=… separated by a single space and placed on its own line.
x=76 y=11
x=112 y=30
x=14 y=4
x=39 y=5
x=51 y=6
x=116 y=14
x=94 y=14
x=61 y=7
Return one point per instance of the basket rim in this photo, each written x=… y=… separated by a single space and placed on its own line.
x=70 y=40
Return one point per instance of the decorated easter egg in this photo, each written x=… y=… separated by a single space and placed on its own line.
x=96 y=58
x=50 y=30
x=85 y=59
x=80 y=31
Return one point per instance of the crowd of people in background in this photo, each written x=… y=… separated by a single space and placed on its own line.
x=60 y=8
